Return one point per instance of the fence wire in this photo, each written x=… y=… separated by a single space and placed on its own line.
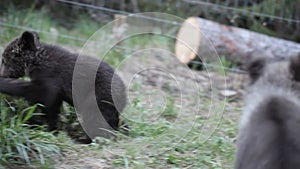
x=232 y=5
x=242 y=6
x=203 y=27
x=271 y=9
x=206 y=65
x=215 y=6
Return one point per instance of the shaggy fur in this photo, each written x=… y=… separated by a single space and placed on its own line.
x=269 y=131
x=50 y=69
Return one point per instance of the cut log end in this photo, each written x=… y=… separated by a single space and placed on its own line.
x=188 y=40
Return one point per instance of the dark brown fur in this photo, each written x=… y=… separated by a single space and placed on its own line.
x=269 y=133
x=50 y=69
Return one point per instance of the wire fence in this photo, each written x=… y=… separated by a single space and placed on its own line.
x=275 y=17
x=274 y=9
x=285 y=10
x=237 y=6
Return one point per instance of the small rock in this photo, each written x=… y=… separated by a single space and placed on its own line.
x=228 y=93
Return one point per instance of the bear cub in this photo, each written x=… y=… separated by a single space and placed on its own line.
x=269 y=131
x=50 y=69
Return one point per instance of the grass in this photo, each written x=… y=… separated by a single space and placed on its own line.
x=20 y=143
x=191 y=152
x=222 y=65
x=152 y=144
x=161 y=136
x=225 y=63
x=41 y=20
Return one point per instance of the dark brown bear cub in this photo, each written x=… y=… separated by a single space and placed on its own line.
x=269 y=131
x=50 y=69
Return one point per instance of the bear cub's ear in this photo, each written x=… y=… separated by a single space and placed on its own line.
x=255 y=67
x=29 y=40
x=295 y=67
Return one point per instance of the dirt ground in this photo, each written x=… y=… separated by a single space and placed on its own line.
x=153 y=77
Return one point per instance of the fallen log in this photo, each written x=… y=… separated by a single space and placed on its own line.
x=201 y=39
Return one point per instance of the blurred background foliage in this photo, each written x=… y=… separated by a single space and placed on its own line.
x=278 y=18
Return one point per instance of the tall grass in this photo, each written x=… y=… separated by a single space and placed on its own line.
x=22 y=143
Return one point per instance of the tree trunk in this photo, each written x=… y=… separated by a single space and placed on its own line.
x=209 y=40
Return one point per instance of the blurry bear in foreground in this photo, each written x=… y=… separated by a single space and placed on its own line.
x=50 y=69
x=269 y=131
